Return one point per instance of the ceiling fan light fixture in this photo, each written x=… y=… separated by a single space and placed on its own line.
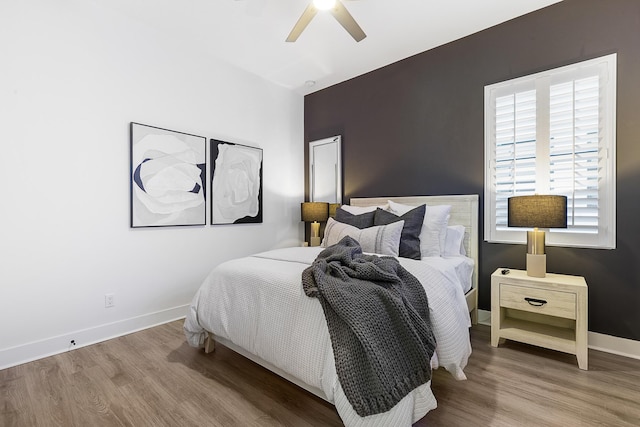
x=335 y=8
x=324 y=4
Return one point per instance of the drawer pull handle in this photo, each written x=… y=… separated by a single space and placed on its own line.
x=535 y=302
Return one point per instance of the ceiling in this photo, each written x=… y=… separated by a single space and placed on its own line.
x=250 y=34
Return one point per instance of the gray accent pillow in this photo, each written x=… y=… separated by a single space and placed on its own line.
x=361 y=221
x=383 y=240
x=410 y=239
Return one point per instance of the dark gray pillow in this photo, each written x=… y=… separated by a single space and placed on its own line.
x=361 y=221
x=410 y=238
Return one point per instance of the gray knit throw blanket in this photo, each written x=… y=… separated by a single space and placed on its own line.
x=378 y=318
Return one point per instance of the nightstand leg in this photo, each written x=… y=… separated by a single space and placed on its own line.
x=496 y=341
x=582 y=360
x=495 y=327
x=497 y=314
x=582 y=332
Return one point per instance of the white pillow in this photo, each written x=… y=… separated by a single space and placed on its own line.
x=434 y=227
x=454 y=241
x=382 y=239
x=358 y=210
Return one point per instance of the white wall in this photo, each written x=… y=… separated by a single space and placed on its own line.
x=73 y=75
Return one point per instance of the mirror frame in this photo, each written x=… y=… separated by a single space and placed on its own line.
x=337 y=141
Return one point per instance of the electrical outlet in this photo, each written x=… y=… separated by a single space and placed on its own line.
x=109 y=301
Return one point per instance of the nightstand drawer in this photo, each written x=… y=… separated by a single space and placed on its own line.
x=543 y=301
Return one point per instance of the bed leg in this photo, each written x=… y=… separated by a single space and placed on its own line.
x=209 y=343
x=474 y=316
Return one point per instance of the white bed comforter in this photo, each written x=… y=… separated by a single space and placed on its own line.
x=258 y=303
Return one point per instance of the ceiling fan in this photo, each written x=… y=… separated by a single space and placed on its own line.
x=337 y=9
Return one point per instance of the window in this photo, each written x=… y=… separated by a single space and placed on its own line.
x=554 y=133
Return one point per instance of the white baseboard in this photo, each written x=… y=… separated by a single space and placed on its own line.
x=610 y=344
x=601 y=342
x=484 y=317
x=24 y=353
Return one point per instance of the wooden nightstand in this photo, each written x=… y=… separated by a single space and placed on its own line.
x=549 y=311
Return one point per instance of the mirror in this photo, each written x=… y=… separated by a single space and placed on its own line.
x=325 y=170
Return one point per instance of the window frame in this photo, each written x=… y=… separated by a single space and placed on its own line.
x=605 y=238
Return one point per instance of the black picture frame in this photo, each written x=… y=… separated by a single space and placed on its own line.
x=236 y=183
x=168 y=177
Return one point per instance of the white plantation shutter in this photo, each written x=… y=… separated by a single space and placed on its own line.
x=573 y=149
x=515 y=155
x=554 y=133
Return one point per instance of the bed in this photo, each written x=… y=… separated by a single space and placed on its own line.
x=256 y=307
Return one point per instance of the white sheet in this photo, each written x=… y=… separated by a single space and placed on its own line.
x=458 y=269
x=258 y=304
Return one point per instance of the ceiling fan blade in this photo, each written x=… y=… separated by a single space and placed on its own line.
x=302 y=23
x=346 y=20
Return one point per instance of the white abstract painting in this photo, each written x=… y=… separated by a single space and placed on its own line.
x=168 y=171
x=236 y=184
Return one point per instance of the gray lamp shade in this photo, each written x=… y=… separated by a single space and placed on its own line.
x=333 y=207
x=537 y=211
x=314 y=211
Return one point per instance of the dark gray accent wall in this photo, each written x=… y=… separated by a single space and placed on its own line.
x=416 y=127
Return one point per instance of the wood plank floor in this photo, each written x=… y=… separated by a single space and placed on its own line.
x=153 y=378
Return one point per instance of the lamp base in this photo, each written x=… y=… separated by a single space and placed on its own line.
x=315 y=233
x=536 y=265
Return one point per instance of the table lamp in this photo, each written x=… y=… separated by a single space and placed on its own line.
x=538 y=211
x=315 y=213
x=333 y=207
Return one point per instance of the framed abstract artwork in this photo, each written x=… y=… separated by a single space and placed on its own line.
x=236 y=183
x=168 y=176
